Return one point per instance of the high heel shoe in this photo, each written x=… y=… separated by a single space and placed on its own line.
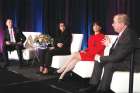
x=41 y=69
x=45 y=71
x=58 y=71
x=60 y=80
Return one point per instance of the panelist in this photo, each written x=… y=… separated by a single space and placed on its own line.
x=119 y=57
x=13 y=40
x=62 y=43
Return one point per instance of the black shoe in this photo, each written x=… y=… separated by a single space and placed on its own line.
x=60 y=80
x=56 y=74
x=90 y=89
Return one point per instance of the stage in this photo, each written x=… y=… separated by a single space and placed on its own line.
x=15 y=79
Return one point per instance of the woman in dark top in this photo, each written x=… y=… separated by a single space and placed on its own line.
x=62 y=43
x=95 y=46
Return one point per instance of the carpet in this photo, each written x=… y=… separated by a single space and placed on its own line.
x=26 y=80
x=8 y=78
x=31 y=72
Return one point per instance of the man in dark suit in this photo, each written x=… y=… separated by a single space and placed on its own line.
x=13 y=40
x=118 y=58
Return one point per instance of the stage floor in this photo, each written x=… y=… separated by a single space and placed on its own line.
x=27 y=80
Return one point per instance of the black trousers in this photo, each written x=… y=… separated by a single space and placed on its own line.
x=12 y=47
x=45 y=55
x=109 y=68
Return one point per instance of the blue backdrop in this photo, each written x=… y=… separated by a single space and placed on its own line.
x=79 y=15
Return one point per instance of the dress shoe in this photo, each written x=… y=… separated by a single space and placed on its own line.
x=41 y=69
x=45 y=71
x=56 y=74
x=89 y=89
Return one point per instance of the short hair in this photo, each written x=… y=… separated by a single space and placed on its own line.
x=61 y=21
x=122 y=18
x=9 y=19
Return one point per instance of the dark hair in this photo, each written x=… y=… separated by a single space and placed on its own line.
x=97 y=23
x=59 y=22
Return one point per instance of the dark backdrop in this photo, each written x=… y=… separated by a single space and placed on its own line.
x=43 y=15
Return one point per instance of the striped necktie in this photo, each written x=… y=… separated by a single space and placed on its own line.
x=12 y=38
x=115 y=43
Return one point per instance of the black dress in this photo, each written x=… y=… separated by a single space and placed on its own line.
x=45 y=56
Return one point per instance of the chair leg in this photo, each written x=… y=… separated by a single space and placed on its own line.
x=131 y=75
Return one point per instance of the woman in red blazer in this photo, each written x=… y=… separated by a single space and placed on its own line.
x=95 y=46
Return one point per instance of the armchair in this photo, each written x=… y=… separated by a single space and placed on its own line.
x=27 y=52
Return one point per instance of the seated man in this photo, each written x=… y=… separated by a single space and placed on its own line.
x=119 y=57
x=13 y=40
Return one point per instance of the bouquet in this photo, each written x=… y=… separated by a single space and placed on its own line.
x=43 y=40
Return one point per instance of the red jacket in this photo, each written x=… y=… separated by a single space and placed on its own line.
x=95 y=46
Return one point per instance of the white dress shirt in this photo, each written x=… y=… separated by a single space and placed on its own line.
x=12 y=37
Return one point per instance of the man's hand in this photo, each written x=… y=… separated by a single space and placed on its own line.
x=60 y=45
x=9 y=43
x=97 y=57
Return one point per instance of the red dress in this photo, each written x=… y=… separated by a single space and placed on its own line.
x=95 y=46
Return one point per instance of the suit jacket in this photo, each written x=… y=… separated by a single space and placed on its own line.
x=123 y=49
x=19 y=37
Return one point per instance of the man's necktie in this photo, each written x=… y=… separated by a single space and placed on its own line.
x=116 y=41
x=12 y=38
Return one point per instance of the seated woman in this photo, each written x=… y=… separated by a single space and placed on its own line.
x=95 y=46
x=62 y=43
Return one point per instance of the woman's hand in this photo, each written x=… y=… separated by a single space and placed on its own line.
x=9 y=43
x=82 y=51
x=60 y=45
x=106 y=41
x=51 y=48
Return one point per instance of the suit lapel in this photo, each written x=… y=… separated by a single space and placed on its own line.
x=121 y=38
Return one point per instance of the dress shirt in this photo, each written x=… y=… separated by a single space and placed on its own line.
x=12 y=37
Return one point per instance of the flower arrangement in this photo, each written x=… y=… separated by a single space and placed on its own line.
x=43 y=40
